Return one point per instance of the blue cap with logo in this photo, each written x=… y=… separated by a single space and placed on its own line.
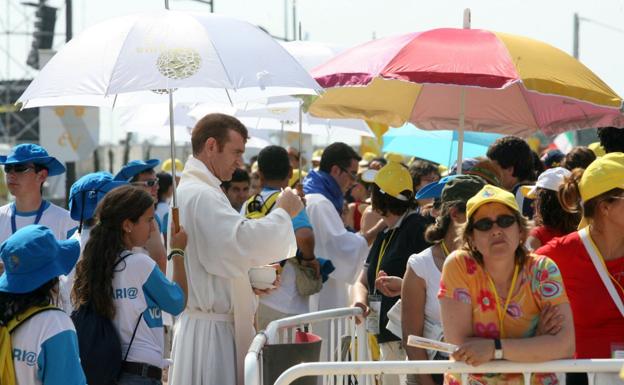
x=33 y=153
x=87 y=192
x=135 y=167
x=32 y=257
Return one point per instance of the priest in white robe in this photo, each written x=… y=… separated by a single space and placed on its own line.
x=214 y=332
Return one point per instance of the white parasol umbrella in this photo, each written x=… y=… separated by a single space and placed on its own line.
x=153 y=56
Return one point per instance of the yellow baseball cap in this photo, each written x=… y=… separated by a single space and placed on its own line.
x=603 y=174
x=491 y=194
x=167 y=165
x=317 y=154
x=597 y=148
x=393 y=179
x=295 y=177
x=393 y=157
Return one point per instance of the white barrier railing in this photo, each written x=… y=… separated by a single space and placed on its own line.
x=365 y=368
x=336 y=325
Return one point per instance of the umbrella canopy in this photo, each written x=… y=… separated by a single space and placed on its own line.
x=135 y=59
x=437 y=146
x=509 y=84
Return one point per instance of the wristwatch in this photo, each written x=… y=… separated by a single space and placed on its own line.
x=498 y=349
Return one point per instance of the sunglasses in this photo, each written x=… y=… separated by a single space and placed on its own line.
x=147 y=183
x=503 y=221
x=352 y=174
x=18 y=168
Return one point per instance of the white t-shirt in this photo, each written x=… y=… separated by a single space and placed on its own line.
x=423 y=265
x=66 y=282
x=54 y=217
x=141 y=289
x=45 y=350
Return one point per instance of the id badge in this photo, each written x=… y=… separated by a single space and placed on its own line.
x=372 y=320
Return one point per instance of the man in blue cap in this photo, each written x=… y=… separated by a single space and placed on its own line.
x=141 y=174
x=27 y=167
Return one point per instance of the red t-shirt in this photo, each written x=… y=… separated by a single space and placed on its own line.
x=597 y=321
x=545 y=234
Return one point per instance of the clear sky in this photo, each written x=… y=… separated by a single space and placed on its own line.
x=351 y=22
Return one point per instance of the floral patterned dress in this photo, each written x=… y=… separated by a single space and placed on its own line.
x=539 y=282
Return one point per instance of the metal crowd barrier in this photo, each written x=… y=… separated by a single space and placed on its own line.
x=343 y=340
x=364 y=368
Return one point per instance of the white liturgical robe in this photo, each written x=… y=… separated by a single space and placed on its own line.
x=214 y=332
x=346 y=250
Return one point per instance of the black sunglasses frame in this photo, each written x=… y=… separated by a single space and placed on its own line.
x=503 y=221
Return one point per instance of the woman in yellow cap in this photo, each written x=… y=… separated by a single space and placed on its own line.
x=592 y=259
x=393 y=198
x=493 y=294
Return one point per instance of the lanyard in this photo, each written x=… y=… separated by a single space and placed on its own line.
x=445 y=249
x=604 y=264
x=382 y=252
x=501 y=313
x=40 y=211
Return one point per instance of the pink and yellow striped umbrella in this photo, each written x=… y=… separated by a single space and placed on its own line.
x=489 y=81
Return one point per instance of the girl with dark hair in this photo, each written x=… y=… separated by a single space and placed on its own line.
x=592 y=259
x=41 y=337
x=551 y=220
x=420 y=309
x=124 y=284
x=393 y=199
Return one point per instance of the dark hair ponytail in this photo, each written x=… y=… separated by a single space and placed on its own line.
x=94 y=272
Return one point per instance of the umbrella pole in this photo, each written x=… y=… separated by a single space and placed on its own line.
x=300 y=140
x=175 y=215
x=460 y=134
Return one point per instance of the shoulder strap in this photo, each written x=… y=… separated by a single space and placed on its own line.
x=600 y=268
x=23 y=317
x=269 y=203
x=136 y=326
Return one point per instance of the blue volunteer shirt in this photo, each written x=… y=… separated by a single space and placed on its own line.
x=45 y=351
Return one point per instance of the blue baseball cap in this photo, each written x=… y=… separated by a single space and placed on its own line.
x=434 y=189
x=32 y=257
x=87 y=192
x=135 y=167
x=33 y=153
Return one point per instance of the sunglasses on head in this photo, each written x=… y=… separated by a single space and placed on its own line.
x=148 y=183
x=503 y=221
x=18 y=168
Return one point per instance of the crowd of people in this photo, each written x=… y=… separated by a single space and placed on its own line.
x=521 y=258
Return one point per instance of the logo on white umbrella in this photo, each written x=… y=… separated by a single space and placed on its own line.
x=178 y=63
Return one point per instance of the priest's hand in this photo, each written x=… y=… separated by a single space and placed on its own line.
x=260 y=292
x=289 y=201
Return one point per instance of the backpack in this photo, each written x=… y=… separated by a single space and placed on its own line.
x=7 y=370
x=256 y=208
x=99 y=344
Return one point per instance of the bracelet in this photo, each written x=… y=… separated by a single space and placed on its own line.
x=173 y=252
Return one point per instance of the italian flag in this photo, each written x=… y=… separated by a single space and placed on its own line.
x=565 y=141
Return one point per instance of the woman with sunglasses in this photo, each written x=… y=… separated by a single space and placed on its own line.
x=592 y=259
x=493 y=294
x=125 y=285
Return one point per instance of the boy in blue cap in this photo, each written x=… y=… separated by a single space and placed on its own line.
x=44 y=344
x=27 y=167
x=84 y=196
x=141 y=173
